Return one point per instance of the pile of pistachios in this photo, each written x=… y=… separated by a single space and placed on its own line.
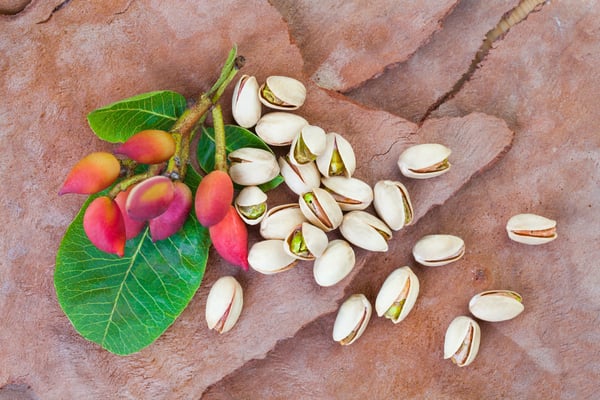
x=319 y=168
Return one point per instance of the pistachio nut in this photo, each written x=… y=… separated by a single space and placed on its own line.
x=300 y=178
x=279 y=128
x=245 y=105
x=307 y=145
x=305 y=242
x=531 y=229
x=224 y=304
x=365 y=231
x=279 y=221
x=438 y=250
x=336 y=262
x=397 y=295
x=392 y=203
x=423 y=161
x=338 y=157
x=496 y=305
x=321 y=209
x=462 y=341
x=282 y=93
x=269 y=257
x=251 y=204
x=350 y=193
x=250 y=166
x=352 y=319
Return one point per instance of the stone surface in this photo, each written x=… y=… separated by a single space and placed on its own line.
x=335 y=37
x=62 y=62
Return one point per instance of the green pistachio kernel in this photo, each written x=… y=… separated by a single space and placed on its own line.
x=394 y=311
x=407 y=213
x=302 y=153
x=336 y=166
x=253 y=212
x=270 y=97
x=298 y=245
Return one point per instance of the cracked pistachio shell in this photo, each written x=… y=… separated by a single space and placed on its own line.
x=336 y=262
x=299 y=178
x=251 y=204
x=438 y=250
x=397 y=295
x=531 y=229
x=305 y=242
x=307 y=145
x=423 y=161
x=496 y=305
x=224 y=304
x=245 y=105
x=365 y=231
x=279 y=128
x=269 y=257
x=461 y=343
x=321 y=209
x=392 y=203
x=338 y=157
x=350 y=193
x=282 y=93
x=250 y=166
x=352 y=319
x=279 y=221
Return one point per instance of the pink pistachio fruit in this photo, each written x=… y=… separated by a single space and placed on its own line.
x=213 y=197
x=173 y=219
x=104 y=226
x=230 y=238
x=91 y=174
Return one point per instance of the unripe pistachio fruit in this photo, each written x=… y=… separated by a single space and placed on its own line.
x=169 y=222
x=93 y=173
x=151 y=146
x=103 y=224
x=213 y=197
x=245 y=105
x=150 y=198
x=230 y=238
x=224 y=304
x=132 y=226
x=282 y=93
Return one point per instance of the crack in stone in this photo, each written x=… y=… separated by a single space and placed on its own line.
x=508 y=20
x=385 y=152
x=54 y=10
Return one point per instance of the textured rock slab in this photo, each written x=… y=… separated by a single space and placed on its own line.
x=82 y=56
x=344 y=43
x=543 y=79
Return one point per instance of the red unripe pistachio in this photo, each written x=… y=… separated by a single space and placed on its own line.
x=150 y=198
x=173 y=219
x=104 y=226
x=148 y=147
x=230 y=238
x=91 y=174
x=132 y=227
x=213 y=197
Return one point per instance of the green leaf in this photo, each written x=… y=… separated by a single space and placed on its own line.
x=117 y=122
x=236 y=137
x=124 y=304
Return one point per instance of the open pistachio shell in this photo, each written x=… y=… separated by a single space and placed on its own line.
x=321 y=209
x=282 y=93
x=531 y=229
x=279 y=128
x=251 y=204
x=338 y=159
x=462 y=341
x=269 y=257
x=423 y=161
x=438 y=250
x=336 y=262
x=305 y=242
x=308 y=145
x=300 y=178
x=397 y=295
x=392 y=203
x=365 y=231
x=350 y=193
x=250 y=166
x=352 y=319
x=224 y=304
x=245 y=105
x=279 y=221
x=496 y=305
